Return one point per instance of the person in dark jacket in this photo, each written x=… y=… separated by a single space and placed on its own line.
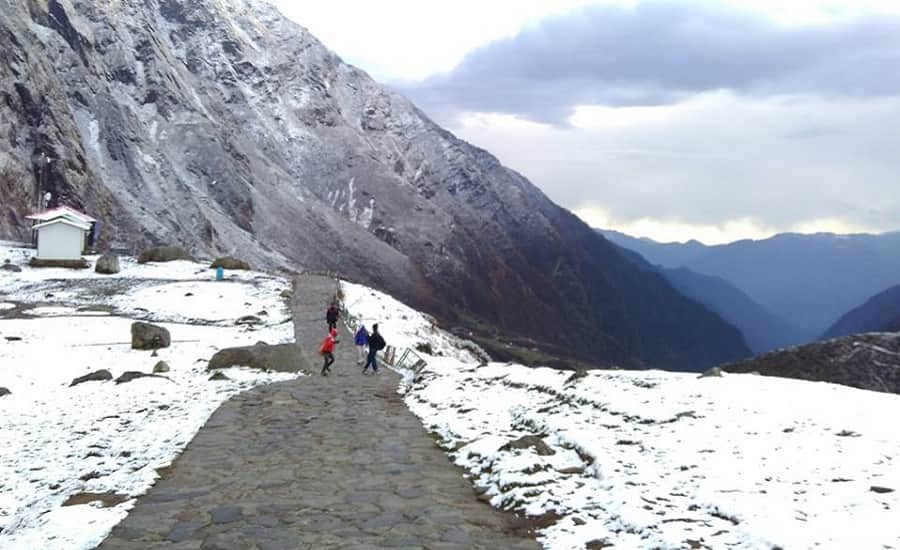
x=332 y=316
x=327 y=350
x=376 y=344
x=361 y=340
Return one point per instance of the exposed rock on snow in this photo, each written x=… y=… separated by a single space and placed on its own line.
x=282 y=358
x=98 y=376
x=164 y=254
x=865 y=361
x=530 y=442
x=11 y=268
x=147 y=336
x=161 y=367
x=107 y=264
x=4 y=391
x=228 y=262
x=132 y=375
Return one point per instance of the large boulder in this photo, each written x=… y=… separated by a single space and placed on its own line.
x=98 y=376
x=7 y=266
x=4 y=391
x=281 y=358
x=107 y=264
x=164 y=254
x=147 y=336
x=228 y=262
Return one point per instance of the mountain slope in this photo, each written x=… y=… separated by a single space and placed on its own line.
x=809 y=280
x=880 y=313
x=763 y=330
x=222 y=126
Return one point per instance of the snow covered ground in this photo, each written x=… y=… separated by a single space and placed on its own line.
x=98 y=445
x=654 y=459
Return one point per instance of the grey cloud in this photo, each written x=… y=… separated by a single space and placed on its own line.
x=659 y=53
x=732 y=158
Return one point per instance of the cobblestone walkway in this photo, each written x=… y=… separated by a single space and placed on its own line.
x=320 y=462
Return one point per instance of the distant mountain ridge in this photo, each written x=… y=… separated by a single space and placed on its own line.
x=808 y=280
x=881 y=313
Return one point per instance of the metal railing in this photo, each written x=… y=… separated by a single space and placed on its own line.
x=409 y=359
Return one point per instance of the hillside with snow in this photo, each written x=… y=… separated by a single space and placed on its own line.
x=75 y=457
x=654 y=459
x=645 y=459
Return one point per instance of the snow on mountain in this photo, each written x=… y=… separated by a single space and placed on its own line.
x=74 y=458
x=226 y=128
x=653 y=459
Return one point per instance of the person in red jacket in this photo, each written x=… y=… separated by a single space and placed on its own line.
x=327 y=350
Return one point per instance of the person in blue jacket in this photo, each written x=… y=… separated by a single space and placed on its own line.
x=361 y=340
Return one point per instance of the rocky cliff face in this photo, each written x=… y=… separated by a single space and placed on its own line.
x=865 y=361
x=221 y=126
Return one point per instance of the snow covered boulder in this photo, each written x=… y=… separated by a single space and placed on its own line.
x=98 y=376
x=147 y=336
x=281 y=358
x=164 y=254
x=107 y=264
x=13 y=268
x=227 y=262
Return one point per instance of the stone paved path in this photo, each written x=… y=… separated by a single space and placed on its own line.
x=321 y=462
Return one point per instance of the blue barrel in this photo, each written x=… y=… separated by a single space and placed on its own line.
x=220 y=273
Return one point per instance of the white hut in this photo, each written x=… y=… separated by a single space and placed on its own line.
x=61 y=233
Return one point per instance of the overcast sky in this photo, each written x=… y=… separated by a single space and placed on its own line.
x=672 y=120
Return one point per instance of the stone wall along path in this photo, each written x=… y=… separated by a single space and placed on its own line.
x=319 y=462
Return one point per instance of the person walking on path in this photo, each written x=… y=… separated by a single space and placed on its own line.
x=361 y=340
x=376 y=344
x=327 y=350
x=332 y=316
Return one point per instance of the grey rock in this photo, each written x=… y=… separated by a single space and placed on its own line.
x=145 y=336
x=227 y=262
x=11 y=268
x=4 y=391
x=219 y=377
x=281 y=357
x=107 y=264
x=530 y=442
x=164 y=254
x=226 y=514
x=161 y=367
x=880 y=490
x=183 y=530
x=134 y=375
x=98 y=376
